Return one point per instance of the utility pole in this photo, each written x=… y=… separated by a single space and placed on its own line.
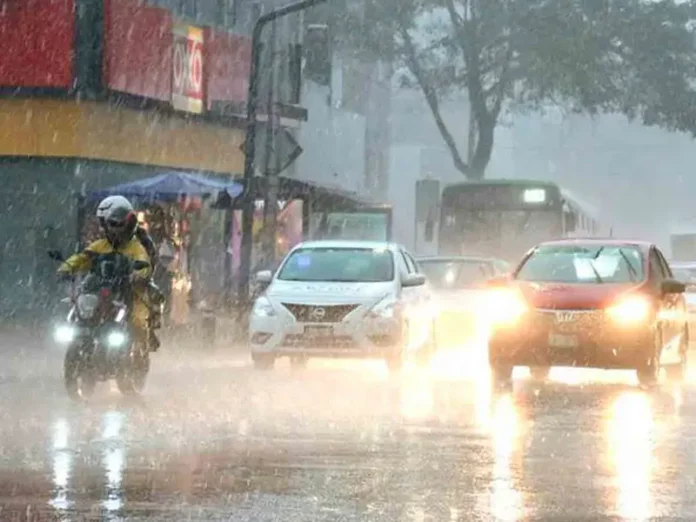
x=271 y=172
x=247 y=197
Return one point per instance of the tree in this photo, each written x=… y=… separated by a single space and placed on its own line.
x=635 y=57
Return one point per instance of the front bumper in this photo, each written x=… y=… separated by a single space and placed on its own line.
x=358 y=338
x=590 y=340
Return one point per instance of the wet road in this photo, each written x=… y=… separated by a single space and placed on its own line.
x=214 y=440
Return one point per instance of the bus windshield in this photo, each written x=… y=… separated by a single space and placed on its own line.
x=505 y=234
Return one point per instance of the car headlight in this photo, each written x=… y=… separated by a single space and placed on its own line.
x=263 y=308
x=116 y=339
x=630 y=310
x=64 y=334
x=505 y=307
x=385 y=309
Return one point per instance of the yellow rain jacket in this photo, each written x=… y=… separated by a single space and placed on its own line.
x=134 y=250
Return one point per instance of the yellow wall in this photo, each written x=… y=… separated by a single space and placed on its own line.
x=64 y=128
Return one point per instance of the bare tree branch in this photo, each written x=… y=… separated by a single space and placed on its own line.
x=431 y=98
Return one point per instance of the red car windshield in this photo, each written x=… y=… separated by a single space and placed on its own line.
x=583 y=264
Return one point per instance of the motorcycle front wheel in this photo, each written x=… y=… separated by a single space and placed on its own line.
x=78 y=378
x=132 y=376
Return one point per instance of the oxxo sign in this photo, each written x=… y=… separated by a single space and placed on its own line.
x=187 y=68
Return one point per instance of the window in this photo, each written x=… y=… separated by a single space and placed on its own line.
x=583 y=264
x=410 y=265
x=415 y=264
x=345 y=265
x=656 y=271
x=666 y=270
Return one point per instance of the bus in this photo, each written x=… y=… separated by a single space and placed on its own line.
x=505 y=218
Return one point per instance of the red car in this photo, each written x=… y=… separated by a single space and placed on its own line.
x=589 y=303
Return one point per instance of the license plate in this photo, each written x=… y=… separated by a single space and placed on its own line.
x=314 y=332
x=563 y=341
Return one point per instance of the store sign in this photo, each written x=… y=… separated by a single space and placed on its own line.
x=187 y=69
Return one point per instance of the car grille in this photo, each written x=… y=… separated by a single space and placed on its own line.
x=320 y=314
x=568 y=320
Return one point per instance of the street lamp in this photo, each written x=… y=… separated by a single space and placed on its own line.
x=247 y=196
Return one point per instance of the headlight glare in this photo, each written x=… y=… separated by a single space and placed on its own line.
x=630 y=310
x=505 y=307
x=116 y=339
x=64 y=334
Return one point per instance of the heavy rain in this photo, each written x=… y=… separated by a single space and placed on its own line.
x=347 y=260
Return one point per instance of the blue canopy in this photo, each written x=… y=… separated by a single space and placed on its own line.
x=169 y=187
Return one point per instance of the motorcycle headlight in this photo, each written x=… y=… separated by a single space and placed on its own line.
x=116 y=339
x=385 y=309
x=263 y=308
x=64 y=334
x=87 y=305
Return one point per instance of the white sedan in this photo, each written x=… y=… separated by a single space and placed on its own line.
x=357 y=299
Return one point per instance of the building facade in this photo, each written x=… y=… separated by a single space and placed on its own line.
x=98 y=92
x=348 y=98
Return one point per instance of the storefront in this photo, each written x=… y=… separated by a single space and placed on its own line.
x=180 y=213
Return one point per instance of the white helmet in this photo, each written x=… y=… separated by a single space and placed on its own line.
x=117 y=218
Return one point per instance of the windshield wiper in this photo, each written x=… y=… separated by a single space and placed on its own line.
x=598 y=278
x=631 y=269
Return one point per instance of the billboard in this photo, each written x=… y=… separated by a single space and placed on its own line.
x=38 y=43
x=137 y=49
x=227 y=68
x=187 y=68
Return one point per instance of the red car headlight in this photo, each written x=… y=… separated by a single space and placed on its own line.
x=505 y=307
x=630 y=310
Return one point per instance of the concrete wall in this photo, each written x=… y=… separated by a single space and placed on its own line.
x=333 y=141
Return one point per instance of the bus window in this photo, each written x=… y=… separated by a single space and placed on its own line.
x=570 y=221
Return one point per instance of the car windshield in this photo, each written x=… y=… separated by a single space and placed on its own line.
x=582 y=264
x=443 y=274
x=347 y=265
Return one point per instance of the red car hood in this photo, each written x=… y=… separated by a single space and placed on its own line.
x=573 y=296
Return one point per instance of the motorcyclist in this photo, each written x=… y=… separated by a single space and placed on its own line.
x=119 y=222
x=155 y=296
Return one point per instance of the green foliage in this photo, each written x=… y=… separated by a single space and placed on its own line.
x=635 y=57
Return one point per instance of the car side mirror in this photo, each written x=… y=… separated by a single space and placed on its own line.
x=672 y=286
x=264 y=277
x=412 y=280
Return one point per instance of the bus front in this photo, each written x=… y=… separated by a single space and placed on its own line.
x=499 y=219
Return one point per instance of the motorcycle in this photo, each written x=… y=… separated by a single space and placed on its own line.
x=99 y=341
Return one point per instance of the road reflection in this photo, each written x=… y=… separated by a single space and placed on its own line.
x=433 y=444
x=506 y=500
x=62 y=466
x=630 y=432
x=113 y=460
